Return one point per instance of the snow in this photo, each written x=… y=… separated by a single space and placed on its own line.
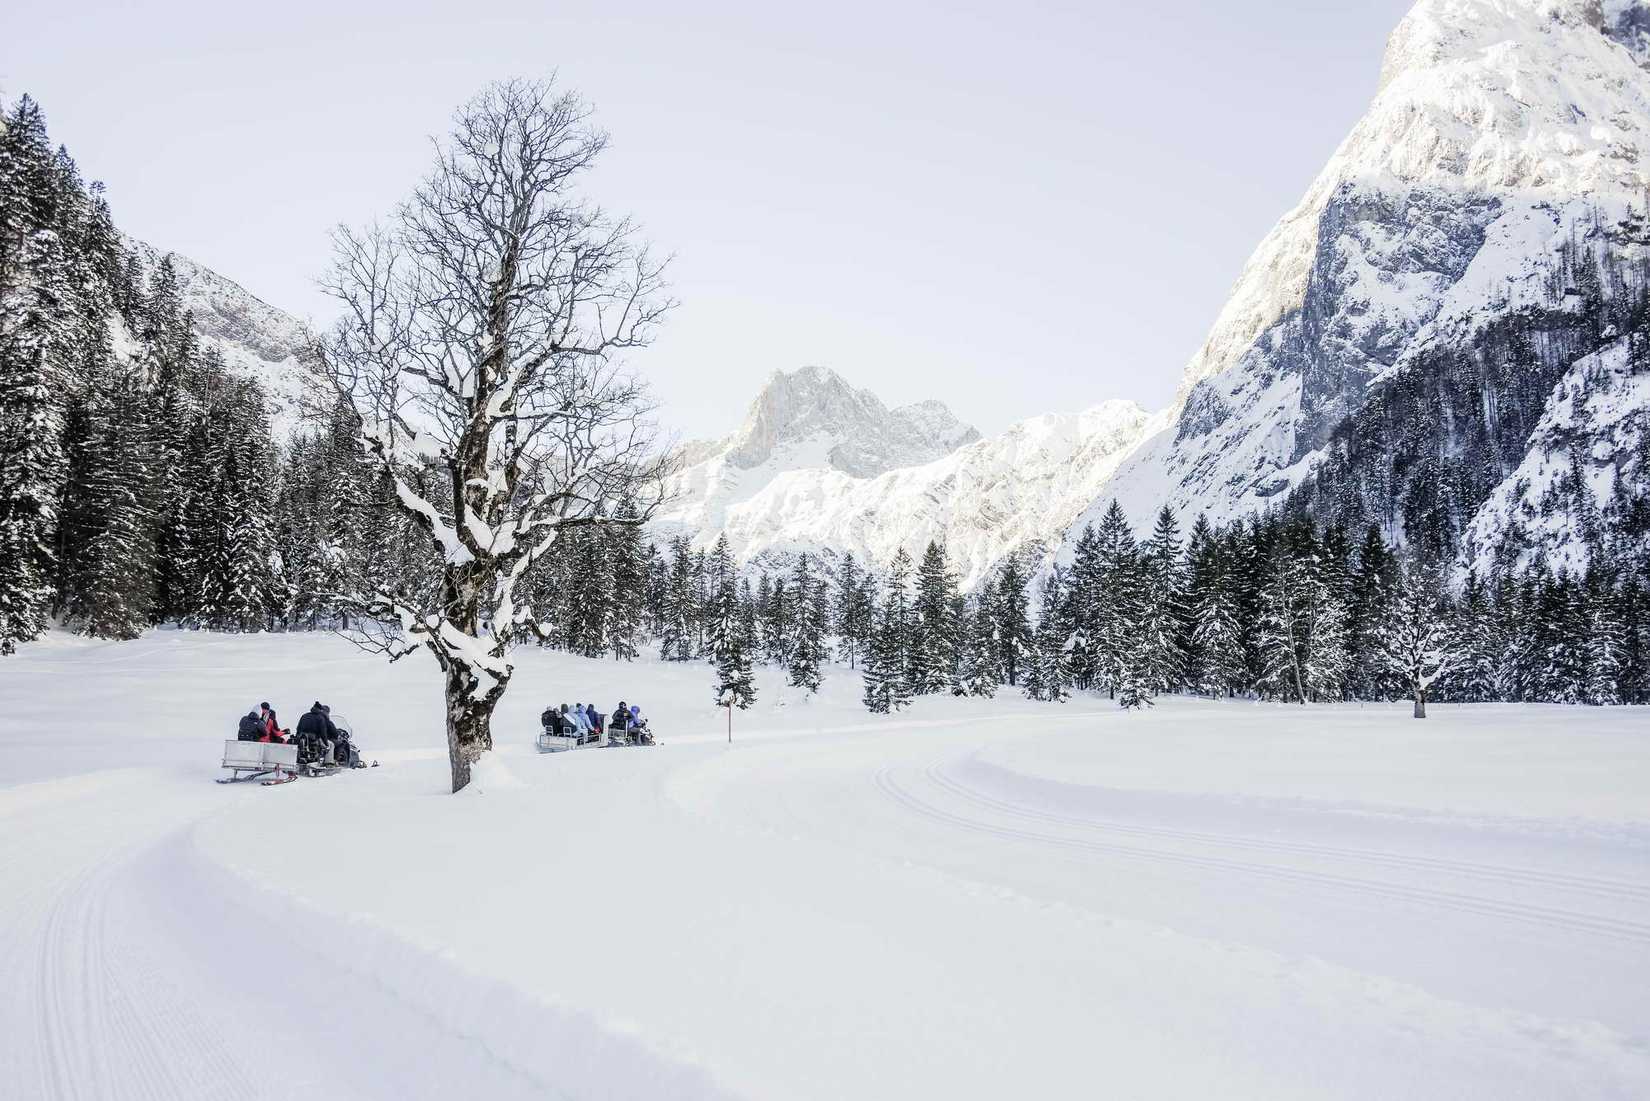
x=971 y=899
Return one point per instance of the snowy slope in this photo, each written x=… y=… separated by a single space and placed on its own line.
x=1501 y=128
x=973 y=899
x=255 y=339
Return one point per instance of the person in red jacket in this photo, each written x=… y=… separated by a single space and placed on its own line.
x=272 y=725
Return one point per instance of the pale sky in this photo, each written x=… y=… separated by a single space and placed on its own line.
x=1017 y=208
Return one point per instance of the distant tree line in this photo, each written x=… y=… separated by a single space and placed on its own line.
x=1273 y=608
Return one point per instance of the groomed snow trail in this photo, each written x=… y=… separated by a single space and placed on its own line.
x=973 y=899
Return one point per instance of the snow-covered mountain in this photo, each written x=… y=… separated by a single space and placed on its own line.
x=806 y=419
x=1502 y=133
x=819 y=466
x=255 y=339
x=1013 y=492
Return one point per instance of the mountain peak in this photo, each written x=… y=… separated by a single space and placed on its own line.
x=812 y=416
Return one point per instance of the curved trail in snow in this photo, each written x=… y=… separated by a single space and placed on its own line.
x=136 y=969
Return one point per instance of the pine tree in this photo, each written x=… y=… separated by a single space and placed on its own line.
x=854 y=611
x=1082 y=608
x=730 y=648
x=886 y=687
x=1012 y=624
x=1049 y=672
x=808 y=651
x=1369 y=676
x=677 y=631
x=1160 y=608
x=1113 y=609
x=36 y=321
x=977 y=673
x=113 y=587
x=934 y=643
x=1218 y=638
x=628 y=583
x=1604 y=644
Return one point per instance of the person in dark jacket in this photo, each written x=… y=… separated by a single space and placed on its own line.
x=594 y=716
x=621 y=717
x=315 y=728
x=251 y=728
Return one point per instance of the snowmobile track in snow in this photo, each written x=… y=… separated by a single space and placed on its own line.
x=1384 y=891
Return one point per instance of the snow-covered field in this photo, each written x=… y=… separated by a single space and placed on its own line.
x=972 y=899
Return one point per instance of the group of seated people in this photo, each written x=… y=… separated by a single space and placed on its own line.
x=319 y=739
x=586 y=722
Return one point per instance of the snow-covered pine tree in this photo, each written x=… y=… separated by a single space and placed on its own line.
x=934 y=643
x=977 y=672
x=896 y=612
x=1113 y=603
x=172 y=362
x=36 y=323
x=730 y=648
x=590 y=593
x=1282 y=629
x=886 y=687
x=677 y=631
x=1049 y=671
x=1481 y=638
x=1161 y=614
x=235 y=523
x=1133 y=690
x=853 y=610
x=808 y=648
x=1218 y=638
x=113 y=593
x=1604 y=643
x=1419 y=642
x=1012 y=621
x=1373 y=577
x=1082 y=612
x=775 y=610
x=628 y=582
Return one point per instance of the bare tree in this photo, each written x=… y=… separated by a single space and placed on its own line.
x=482 y=325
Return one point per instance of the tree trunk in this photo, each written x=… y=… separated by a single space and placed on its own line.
x=1420 y=702
x=469 y=724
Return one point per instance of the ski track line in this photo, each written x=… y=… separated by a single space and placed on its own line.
x=1616 y=889
x=111 y=1025
x=1567 y=920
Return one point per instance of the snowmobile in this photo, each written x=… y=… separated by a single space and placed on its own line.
x=551 y=742
x=283 y=762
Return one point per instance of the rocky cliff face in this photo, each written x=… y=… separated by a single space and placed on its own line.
x=1504 y=145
